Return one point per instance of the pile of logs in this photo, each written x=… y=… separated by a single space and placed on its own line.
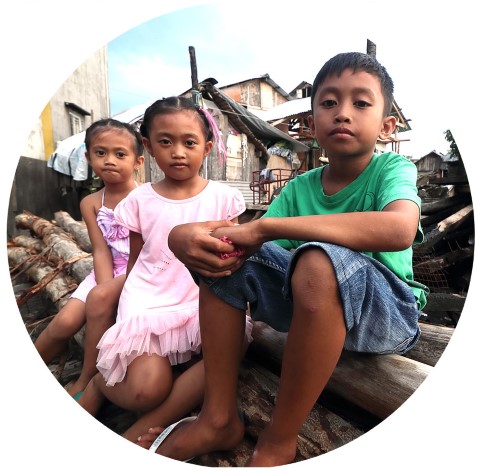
x=50 y=258
x=445 y=258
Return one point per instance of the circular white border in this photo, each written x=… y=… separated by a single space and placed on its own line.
x=41 y=44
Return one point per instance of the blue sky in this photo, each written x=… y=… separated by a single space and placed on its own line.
x=234 y=44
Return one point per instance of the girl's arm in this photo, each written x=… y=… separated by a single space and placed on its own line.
x=136 y=244
x=102 y=256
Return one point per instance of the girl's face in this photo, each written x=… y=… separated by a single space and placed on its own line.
x=178 y=144
x=112 y=155
x=348 y=114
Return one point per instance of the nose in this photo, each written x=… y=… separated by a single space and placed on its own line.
x=178 y=151
x=343 y=115
x=109 y=158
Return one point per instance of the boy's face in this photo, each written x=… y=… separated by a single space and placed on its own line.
x=348 y=114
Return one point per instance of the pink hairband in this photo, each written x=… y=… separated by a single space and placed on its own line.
x=217 y=136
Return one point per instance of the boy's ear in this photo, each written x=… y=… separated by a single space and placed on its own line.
x=388 y=126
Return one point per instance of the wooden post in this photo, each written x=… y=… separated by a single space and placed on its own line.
x=193 y=68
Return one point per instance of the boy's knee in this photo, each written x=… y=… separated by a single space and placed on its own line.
x=313 y=266
x=314 y=281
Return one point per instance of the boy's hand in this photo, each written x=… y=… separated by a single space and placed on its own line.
x=196 y=247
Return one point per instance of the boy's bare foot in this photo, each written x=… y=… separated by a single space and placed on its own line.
x=195 y=439
x=273 y=452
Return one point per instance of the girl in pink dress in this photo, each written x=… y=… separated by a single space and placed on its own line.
x=114 y=150
x=157 y=325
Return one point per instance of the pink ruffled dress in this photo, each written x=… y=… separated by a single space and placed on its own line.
x=158 y=307
x=117 y=238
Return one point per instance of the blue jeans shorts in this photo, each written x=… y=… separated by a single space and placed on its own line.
x=381 y=313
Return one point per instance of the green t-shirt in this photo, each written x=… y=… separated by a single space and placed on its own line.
x=387 y=178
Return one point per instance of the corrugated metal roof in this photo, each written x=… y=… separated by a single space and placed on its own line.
x=285 y=110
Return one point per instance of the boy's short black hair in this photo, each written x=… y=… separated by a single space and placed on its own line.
x=357 y=61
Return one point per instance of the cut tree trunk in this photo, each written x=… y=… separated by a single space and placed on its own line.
x=60 y=242
x=431 y=344
x=77 y=228
x=56 y=284
x=379 y=384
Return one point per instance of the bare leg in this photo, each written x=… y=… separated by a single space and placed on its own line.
x=100 y=309
x=186 y=394
x=313 y=347
x=147 y=383
x=54 y=338
x=218 y=426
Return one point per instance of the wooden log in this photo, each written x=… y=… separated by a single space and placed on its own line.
x=446 y=226
x=28 y=242
x=60 y=242
x=77 y=228
x=56 y=284
x=378 y=384
x=444 y=302
x=443 y=204
x=432 y=218
x=431 y=344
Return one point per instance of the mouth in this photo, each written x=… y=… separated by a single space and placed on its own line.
x=341 y=132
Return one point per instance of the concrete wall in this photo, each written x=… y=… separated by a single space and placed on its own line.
x=87 y=87
x=42 y=191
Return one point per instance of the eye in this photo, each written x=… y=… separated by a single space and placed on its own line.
x=121 y=154
x=361 y=104
x=328 y=103
x=164 y=141
x=190 y=143
x=100 y=153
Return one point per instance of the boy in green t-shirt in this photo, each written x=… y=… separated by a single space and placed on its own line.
x=348 y=283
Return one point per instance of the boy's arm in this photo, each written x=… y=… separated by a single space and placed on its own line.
x=102 y=256
x=197 y=244
x=390 y=230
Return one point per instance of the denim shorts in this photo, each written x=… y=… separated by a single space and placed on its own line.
x=380 y=310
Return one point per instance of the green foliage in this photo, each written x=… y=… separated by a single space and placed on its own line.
x=453 y=145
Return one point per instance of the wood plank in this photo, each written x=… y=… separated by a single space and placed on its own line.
x=446 y=226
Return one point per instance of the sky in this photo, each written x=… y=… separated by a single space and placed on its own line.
x=427 y=48
x=234 y=44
